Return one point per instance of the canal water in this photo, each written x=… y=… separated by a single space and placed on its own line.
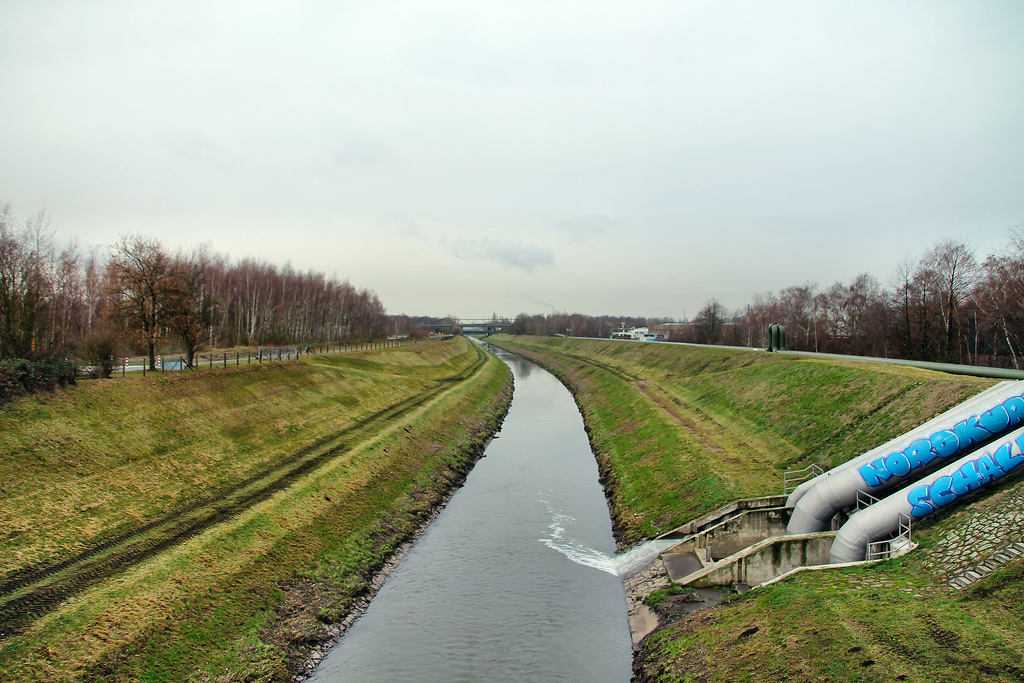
x=516 y=579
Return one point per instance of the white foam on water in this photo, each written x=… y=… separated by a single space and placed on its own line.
x=622 y=564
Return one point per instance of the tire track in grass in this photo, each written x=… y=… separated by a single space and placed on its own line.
x=31 y=593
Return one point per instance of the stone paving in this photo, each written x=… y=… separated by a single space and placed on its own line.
x=642 y=619
x=979 y=538
x=969 y=576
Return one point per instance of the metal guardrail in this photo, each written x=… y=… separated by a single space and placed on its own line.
x=865 y=499
x=950 y=368
x=793 y=478
x=883 y=550
x=263 y=353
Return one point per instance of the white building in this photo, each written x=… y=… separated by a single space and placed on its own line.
x=636 y=333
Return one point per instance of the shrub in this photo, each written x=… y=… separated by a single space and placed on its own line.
x=20 y=377
x=98 y=350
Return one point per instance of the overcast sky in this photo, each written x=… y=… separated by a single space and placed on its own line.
x=474 y=157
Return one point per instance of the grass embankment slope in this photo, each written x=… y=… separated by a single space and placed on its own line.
x=680 y=430
x=212 y=523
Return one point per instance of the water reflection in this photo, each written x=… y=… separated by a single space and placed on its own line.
x=484 y=595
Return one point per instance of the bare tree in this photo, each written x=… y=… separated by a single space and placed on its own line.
x=189 y=305
x=952 y=270
x=709 y=322
x=799 y=308
x=25 y=285
x=140 y=289
x=999 y=297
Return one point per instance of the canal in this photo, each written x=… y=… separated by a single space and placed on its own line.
x=516 y=578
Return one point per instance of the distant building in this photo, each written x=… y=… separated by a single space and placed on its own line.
x=670 y=331
x=635 y=333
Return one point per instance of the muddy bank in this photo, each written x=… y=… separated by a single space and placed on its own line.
x=653 y=601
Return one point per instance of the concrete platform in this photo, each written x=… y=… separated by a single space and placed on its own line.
x=678 y=565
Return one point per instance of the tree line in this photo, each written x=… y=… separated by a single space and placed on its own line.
x=947 y=305
x=136 y=295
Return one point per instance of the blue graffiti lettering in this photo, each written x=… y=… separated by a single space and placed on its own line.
x=987 y=469
x=874 y=473
x=994 y=421
x=941 y=491
x=898 y=464
x=919 y=453
x=1005 y=458
x=966 y=479
x=970 y=432
x=945 y=443
x=1015 y=409
x=918 y=498
x=971 y=476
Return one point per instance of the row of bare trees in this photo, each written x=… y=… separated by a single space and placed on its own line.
x=946 y=305
x=571 y=324
x=60 y=301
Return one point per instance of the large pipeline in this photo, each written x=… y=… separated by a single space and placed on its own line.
x=957 y=431
x=976 y=470
x=953 y=414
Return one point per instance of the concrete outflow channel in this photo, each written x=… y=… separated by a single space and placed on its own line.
x=864 y=508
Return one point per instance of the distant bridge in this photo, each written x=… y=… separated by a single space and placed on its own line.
x=488 y=325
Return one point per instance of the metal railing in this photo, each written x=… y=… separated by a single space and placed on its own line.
x=865 y=499
x=793 y=478
x=883 y=550
x=167 y=364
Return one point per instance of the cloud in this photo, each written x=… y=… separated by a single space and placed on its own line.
x=194 y=146
x=360 y=154
x=403 y=227
x=528 y=257
x=410 y=230
x=585 y=228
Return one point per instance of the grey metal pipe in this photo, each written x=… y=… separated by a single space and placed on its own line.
x=889 y=446
x=974 y=471
x=959 y=430
x=949 y=368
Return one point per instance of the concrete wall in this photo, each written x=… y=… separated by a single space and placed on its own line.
x=744 y=531
x=723 y=513
x=765 y=560
x=736 y=533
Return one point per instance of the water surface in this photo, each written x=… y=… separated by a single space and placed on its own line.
x=515 y=580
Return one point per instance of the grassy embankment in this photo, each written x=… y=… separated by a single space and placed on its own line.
x=679 y=430
x=244 y=507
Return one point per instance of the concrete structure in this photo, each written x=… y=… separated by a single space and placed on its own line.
x=763 y=561
x=634 y=333
x=722 y=514
x=974 y=471
x=664 y=331
x=715 y=549
x=754 y=541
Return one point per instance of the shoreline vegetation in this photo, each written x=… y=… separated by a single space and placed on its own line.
x=678 y=431
x=219 y=526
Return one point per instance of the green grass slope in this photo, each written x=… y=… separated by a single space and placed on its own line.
x=333 y=462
